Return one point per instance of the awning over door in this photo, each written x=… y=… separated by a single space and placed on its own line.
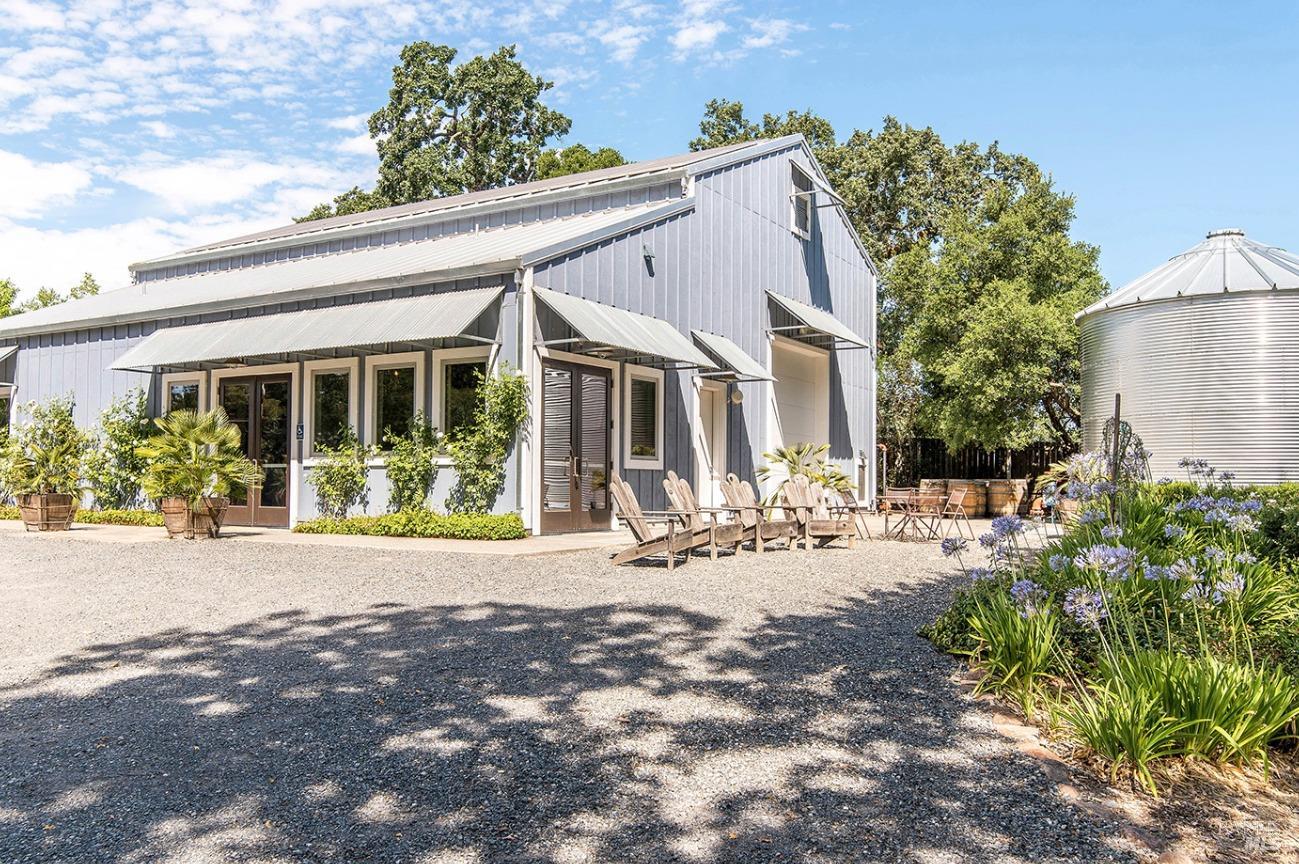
x=409 y=321
x=815 y=326
x=735 y=363
x=620 y=334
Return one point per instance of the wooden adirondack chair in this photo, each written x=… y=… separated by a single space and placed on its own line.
x=677 y=539
x=807 y=501
x=755 y=517
x=692 y=515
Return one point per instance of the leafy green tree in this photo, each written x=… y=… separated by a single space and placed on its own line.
x=574 y=159
x=724 y=123
x=113 y=466
x=87 y=287
x=354 y=200
x=449 y=129
x=974 y=249
x=8 y=297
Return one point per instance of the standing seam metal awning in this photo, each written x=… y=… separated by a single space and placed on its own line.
x=819 y=320
x=629 y=331
x=408 y=319
x=733 y=357
x=7 y=351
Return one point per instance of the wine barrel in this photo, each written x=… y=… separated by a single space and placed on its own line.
x=976 y=496
x=939 y=486
x=1007 y=497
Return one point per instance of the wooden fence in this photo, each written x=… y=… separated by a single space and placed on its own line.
x=929 y=458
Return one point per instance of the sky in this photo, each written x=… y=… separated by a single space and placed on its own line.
x=131 y=129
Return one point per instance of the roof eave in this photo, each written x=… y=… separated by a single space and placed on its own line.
x=505 y=268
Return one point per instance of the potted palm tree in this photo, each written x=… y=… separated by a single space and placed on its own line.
x=41 y=464
x=46 y=479
x=193 y=463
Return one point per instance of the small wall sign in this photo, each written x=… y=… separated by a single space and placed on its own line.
x=302 y=432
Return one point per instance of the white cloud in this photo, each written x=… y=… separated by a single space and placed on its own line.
x=32 y=187
x=350 y=123
x=766 y=32
x=697 y=35
x=209 y=181
x=158 y=129
x=28 y=15
x=622 y=40
x=358 y=145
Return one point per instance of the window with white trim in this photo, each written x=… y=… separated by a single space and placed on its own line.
x=643 y=440
x=331 y=407
x=802 y=202
x=6 y=405
x=461 y=383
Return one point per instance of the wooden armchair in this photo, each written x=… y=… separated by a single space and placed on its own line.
x=692 y=515
x=756 y=518
x=676 y=540
x=807 y=501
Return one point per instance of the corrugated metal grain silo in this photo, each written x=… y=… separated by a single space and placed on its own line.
x=1205 y=352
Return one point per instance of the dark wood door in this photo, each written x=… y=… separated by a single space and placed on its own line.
x=576 y=447
x=260 y=407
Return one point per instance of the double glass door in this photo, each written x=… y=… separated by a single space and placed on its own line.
x=260 y=408
x=575 y=446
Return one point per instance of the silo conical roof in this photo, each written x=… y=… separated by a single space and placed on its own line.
x=1226 y=261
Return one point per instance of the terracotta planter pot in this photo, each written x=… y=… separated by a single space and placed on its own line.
x=47 y=512
x=184 y=522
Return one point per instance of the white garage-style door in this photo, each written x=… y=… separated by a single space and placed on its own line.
x=802 y=393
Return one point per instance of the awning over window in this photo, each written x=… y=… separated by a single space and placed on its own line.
x=404 y=321
x=815 y=326
x=735 y=363
x=634 y=337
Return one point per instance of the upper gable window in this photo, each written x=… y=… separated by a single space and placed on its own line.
x=801 y=200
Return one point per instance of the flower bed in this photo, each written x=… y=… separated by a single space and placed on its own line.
x=149 y=518
x=1161 y=625
x=423 y=523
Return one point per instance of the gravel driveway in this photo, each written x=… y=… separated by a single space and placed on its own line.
x=243 y=701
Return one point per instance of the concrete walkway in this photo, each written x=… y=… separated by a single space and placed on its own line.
x=544 y=545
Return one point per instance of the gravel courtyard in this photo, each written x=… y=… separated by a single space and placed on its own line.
x=245 y=701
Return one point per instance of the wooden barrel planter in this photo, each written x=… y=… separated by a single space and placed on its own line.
x=47 y=512
x=201 y=522
x=934 y=486
x=1007 y=497
x=976 y=496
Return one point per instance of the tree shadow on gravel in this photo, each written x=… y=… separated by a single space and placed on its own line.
x=501 y=733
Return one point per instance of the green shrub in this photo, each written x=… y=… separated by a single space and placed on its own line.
x=143 y=518
x=412 y=465
x=423 y=523
x=112 y=466
x=339 y=480
x=1014 y=642
x=150 y=518
x=479 y=454
x=950 y=631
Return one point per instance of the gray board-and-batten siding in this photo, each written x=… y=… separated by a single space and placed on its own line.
x=711 y=268
x=714 y=260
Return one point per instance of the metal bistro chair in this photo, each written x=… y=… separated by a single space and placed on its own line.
x=896 y=501
x=954 y=515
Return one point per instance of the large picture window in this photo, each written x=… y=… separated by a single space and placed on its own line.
x=460 y=382
x=644 y=418
x=394 y=403
x=331 y=414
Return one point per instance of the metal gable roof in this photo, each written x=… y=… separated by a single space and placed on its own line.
x=1226 y=261
x=424 y=318
x=495 y=251
x=619 y=328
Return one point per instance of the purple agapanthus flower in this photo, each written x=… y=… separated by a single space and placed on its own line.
x=1228 y=589
x=982 y=574
x=1154 y=572
x=1058 y=562
x=1199 y=594
x=988 y=540
x=954 y=545
x=1086 y=606
x=1112 y=532
x=1116 y=562
x=1007 y=526
x=1246 y=558
x=1214 y=555
x=1174 y=532
x=1087 y=517
x=1185 y=569
x=1030 y=597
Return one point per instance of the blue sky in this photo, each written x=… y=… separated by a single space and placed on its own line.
x=133 y=128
